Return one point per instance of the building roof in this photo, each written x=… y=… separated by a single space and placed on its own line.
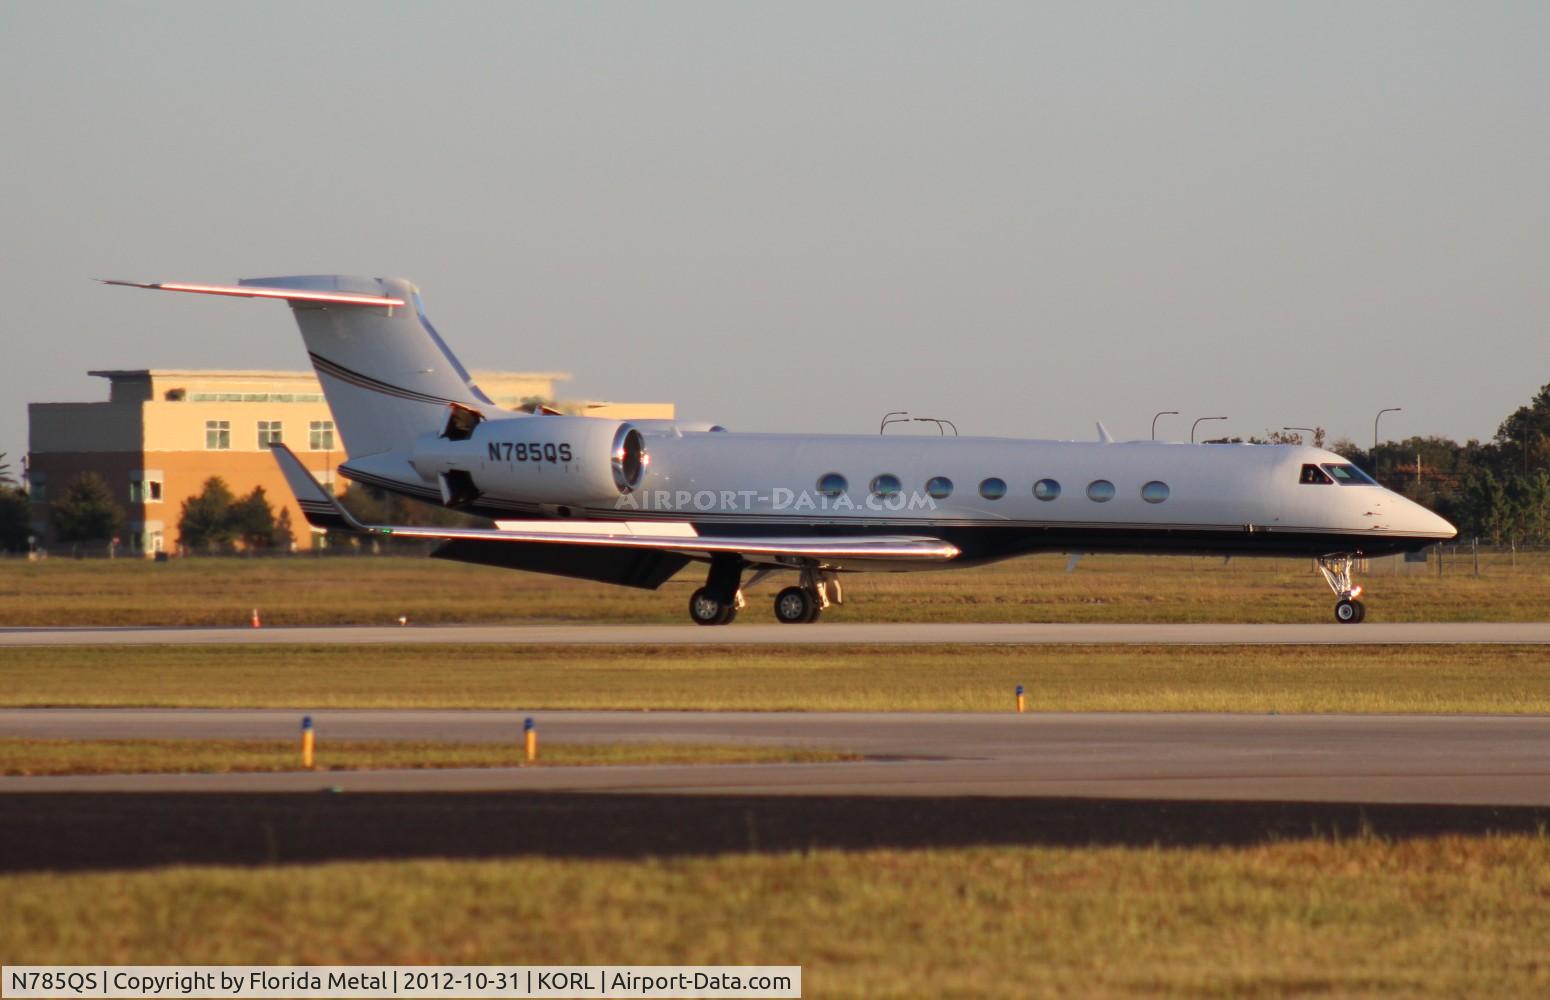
x=263 y=373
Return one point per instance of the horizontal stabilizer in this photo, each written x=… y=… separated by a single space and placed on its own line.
x=321 y=296
x=317 y=504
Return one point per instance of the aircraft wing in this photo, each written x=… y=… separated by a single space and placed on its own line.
x=322 y=510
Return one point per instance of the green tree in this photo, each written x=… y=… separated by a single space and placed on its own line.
x=1524 y=437
x=85 y=511
x=15 y=519
x=1482 y=507
x=252 y=520
x=206 y=522
x=6 y=479
x=282 y=539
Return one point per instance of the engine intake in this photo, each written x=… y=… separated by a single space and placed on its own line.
x=629 y=458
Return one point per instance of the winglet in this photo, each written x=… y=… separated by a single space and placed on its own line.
x=1104 y=436
x=317 y=505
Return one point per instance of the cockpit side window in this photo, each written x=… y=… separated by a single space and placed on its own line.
x=1349 y=475
x=1312 y=475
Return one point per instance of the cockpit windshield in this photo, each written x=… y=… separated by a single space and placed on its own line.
x=1349 y=475
x=1334 y=472
x=1312 y=475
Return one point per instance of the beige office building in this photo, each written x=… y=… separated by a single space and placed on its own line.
x=163 y=432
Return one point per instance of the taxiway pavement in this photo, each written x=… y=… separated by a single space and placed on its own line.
x=1454 y=760
x=828 y=633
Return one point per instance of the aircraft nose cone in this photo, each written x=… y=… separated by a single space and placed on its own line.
x=1414 y=517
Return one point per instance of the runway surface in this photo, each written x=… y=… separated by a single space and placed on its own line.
x=1452 y=760
x=830 y=633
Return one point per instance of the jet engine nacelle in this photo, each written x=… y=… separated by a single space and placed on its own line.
x=538 y=459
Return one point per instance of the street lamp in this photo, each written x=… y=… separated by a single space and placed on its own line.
x=1197 y=423
x=1313 y=432
x=1161 y=413
x=1391 y=409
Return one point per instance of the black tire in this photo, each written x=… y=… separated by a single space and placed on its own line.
x=1361 y=611
x=1347 y=611
x=706 y=610
x=795 y=606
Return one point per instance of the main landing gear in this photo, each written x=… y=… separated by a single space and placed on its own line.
x=1337 y=573
x=719 y=601
x=707 y=610
x=803 y=603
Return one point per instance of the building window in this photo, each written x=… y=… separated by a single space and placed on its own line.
x=320 y=435
x=268 y=434
x=145 y=487
x=37 y=487
x=1046 y=489
x=939 y=487
x=1100 y=491
x=1154 y=492
x=217 y=435
x=832 y=484
x=886 y=485
x=993 y=488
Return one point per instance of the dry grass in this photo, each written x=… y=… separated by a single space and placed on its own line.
x=1428 y=679
x=368 y=590
x=1447 y=917
x=186 y=756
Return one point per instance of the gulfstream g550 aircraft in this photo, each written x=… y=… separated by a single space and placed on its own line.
x=633 y=502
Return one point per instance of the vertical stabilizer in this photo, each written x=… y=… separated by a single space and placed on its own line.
x=386 y=372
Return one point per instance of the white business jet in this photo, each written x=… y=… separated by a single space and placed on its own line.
x=633 y=502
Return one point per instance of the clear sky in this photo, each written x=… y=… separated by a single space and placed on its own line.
x=1025 y=216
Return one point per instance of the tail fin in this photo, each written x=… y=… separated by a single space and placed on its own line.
x=386 y=372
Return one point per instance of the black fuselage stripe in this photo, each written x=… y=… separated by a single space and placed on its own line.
x=355 y=378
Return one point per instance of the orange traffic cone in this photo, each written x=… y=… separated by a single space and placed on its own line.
x=256 y=622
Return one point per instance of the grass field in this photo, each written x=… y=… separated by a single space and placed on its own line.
x=1364 y=917
x=1449 y=916
x=1482 y=679
x=187 y=756
x=377 y=590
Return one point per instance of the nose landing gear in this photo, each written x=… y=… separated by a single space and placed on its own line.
x=1337 y=573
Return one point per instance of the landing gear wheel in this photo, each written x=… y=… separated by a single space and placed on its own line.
x=795 y=606
x=1350 y=611
x=706 y=610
